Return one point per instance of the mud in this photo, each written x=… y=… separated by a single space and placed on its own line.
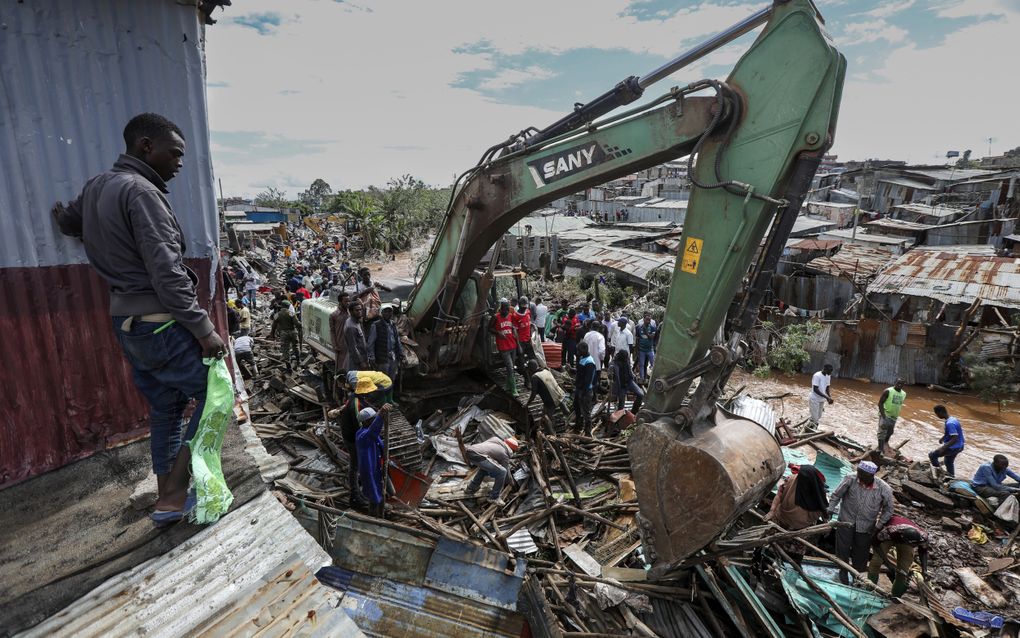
x=855 y=414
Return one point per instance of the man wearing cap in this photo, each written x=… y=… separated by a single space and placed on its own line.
x=502 y=327
x=370 y=449
x=384 y=349
x=866 y=502
x=492 y=457
x=889 y=406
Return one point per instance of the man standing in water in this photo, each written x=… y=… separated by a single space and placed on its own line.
x=820 y=393
x=889 y=406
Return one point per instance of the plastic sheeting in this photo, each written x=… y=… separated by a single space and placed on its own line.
x=857 y=603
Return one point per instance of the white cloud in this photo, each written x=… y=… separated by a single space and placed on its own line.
x=926 y=101
x=515 y=77
x=377 y=84
x=871 y=31
x=889 y=10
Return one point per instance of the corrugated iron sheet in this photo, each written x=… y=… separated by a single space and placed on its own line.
x=853 y=262
x=633 y=263
x=72 y=72
x=397 y=584
x=956 y=276
x=235 y=570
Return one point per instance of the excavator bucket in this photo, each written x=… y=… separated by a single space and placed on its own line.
x=693 y=487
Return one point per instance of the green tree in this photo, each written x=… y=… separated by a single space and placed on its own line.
x=965 y=161
x=272 y=197
x=317 y=195
x=995 y=382
x=786 y=350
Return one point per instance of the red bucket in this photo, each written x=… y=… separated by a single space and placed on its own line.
x=553 y=352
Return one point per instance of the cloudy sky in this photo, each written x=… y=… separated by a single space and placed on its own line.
x=358 y=92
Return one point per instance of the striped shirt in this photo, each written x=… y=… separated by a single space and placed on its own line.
x=862 y=505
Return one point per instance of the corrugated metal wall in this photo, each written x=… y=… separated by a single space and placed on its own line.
x=72 y=72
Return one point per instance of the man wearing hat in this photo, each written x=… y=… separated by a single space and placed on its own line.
x=370 y=385
x=492 y=457
x=866 y=502
x=370 y=448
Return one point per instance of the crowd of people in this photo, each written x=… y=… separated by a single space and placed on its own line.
x=593 y=342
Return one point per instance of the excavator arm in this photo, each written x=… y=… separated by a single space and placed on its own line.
x=754 y=142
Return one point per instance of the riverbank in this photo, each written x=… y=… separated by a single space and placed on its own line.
x=855 y=414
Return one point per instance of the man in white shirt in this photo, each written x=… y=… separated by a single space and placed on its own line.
x=596 y=345
x=539 y=316
x=244 y=350
x=820 y=393
x=623 y=339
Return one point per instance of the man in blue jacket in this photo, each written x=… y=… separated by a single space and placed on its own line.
x=370 y=449
x=952 y=441
x=990 y=478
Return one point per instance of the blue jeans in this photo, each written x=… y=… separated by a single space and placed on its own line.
x=486 y=467
x=948 y=457
x=645 y=360
x=251 y=294
x=168 y=371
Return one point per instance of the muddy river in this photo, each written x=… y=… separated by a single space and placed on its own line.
x=855 y=415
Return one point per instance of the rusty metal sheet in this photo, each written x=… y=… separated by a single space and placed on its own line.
x=385 y=608
x=953 y=274
x=476 y=573
x=68 y=388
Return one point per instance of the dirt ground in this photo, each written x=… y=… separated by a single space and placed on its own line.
x=855 y=415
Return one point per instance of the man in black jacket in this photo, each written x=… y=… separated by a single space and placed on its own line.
x=134 y=241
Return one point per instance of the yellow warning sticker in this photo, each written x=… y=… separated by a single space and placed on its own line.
x=692 y=255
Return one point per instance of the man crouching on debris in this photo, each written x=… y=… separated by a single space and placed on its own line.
x=492 y=457
x=866 y=502
x=132 y=238
x=370 y=450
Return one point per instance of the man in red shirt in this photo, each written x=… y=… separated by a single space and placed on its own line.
x=522 y=324
x=570 y=324
x=506 y=341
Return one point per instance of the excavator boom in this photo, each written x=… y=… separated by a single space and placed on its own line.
x=754 y=141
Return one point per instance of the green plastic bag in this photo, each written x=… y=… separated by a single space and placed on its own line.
x=213 y=495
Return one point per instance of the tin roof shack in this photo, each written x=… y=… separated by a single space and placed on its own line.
x=954 y=285
x=909 y=184
x=830 y=278
x=840 y=214
x=897 y=244
x=633 y=266
x=105 y=61
x=929 y=215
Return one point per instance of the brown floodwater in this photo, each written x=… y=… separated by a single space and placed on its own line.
x=855 y=415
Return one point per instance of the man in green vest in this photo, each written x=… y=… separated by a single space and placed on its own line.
x=889 y=406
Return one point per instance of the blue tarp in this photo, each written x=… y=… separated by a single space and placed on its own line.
x=857 y=603
x=834 y=469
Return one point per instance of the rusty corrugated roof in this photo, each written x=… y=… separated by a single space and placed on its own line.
x=953 y=274
x=635 y=263
x=853 y=261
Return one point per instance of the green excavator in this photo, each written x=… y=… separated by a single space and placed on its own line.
x=754 y=142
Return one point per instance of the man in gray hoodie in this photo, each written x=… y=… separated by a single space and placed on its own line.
x=134 y=241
